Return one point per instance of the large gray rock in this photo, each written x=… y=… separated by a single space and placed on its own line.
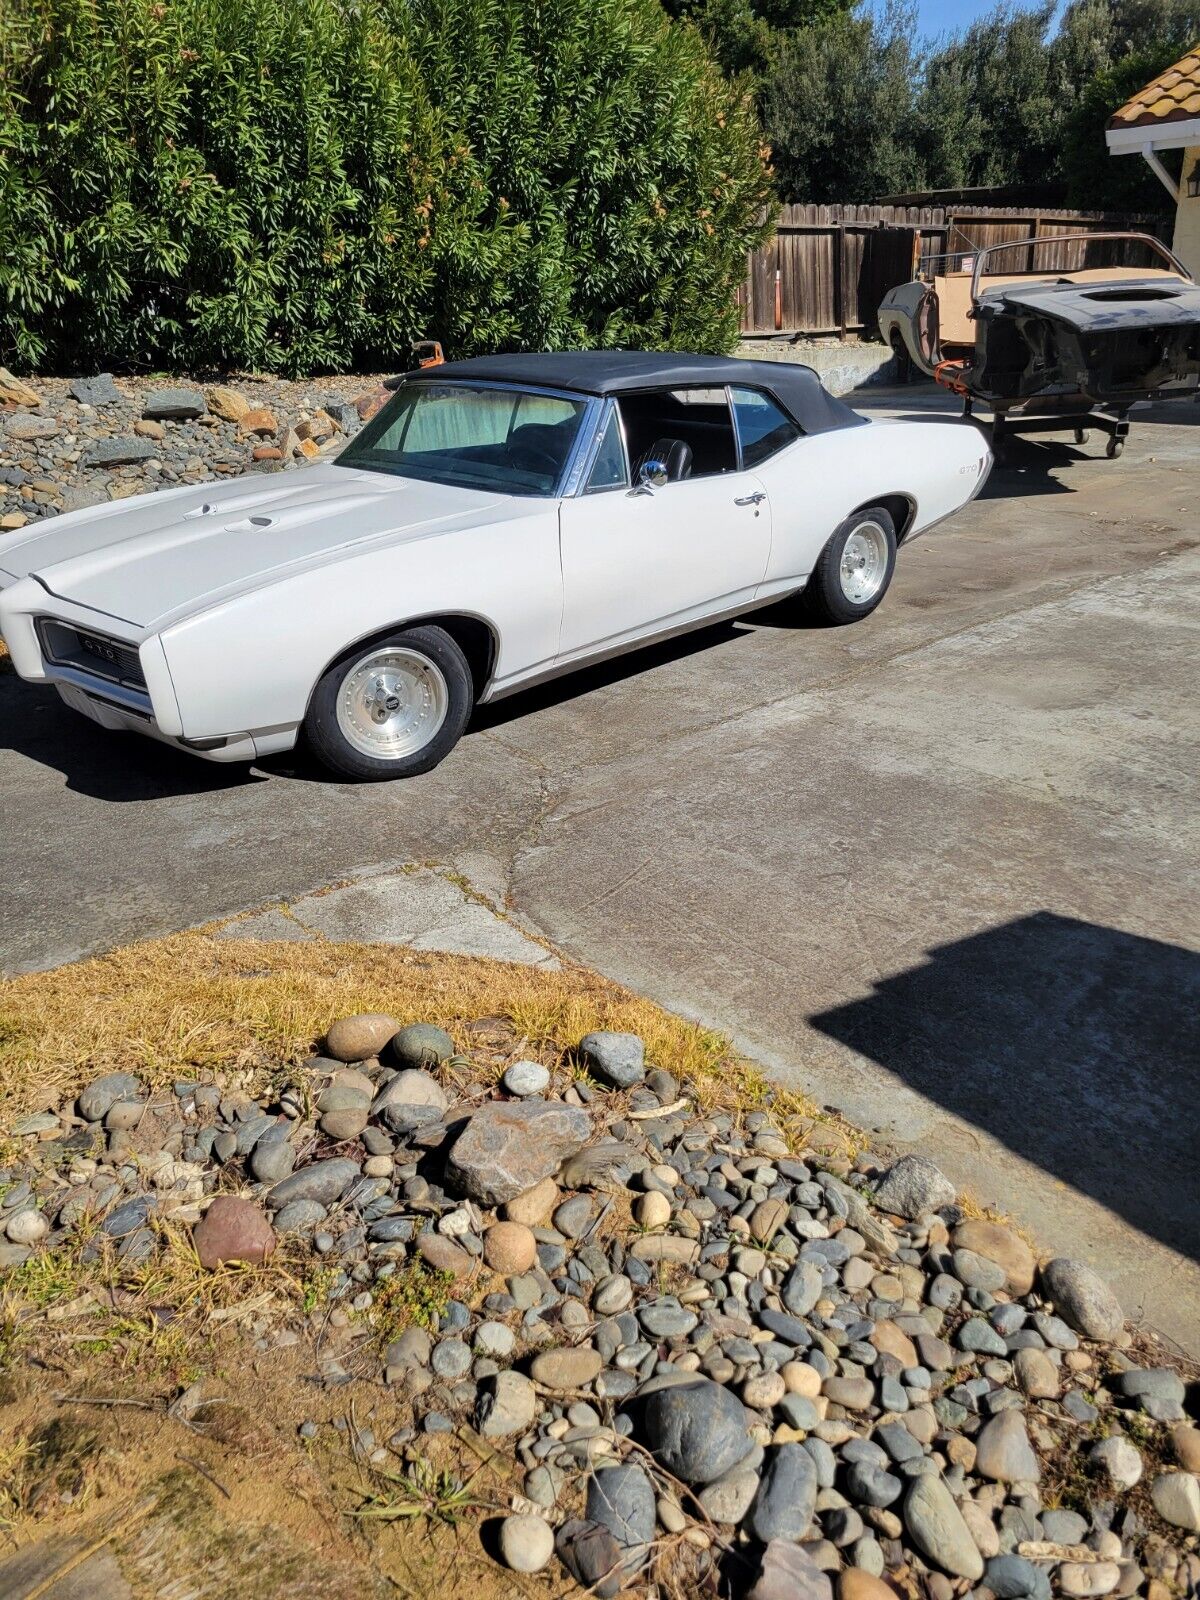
x=1083 y=1299
x=114 y=1088
x=621 y=1499
x=173 y=405
x=913 y=1187
x=618 y=1059
x=508 y=1146
x=937 y=1527
x=27 y=430
x=97 y=391
x=787 y=1495
x=322 y=1181
x=698 y=1430
x=119 y=453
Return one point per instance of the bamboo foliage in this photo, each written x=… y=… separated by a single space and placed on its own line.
x=190 y=184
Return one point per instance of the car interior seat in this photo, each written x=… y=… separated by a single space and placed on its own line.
x=675 y=455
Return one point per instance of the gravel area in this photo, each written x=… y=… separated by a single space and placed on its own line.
x=773 y=1369
x=67 y=443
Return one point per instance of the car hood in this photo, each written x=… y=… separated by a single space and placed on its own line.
x=156 y=557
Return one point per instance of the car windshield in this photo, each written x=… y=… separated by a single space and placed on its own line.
x=515 y=441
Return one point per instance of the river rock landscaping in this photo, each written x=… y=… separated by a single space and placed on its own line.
x=68 y=443
x=708 y=1362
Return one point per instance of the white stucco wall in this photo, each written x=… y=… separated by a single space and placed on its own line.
x=1187 y=218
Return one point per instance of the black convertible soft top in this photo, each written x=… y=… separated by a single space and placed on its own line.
x=613 y=372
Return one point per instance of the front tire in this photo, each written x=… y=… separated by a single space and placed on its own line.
x=854 y=570
x=392 y=708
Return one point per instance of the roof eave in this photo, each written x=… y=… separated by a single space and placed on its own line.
x=1170 y=135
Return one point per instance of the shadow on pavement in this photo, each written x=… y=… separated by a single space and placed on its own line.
x=1075 y=1045
x=117 y=767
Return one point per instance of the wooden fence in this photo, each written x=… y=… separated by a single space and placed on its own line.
x=828 y=267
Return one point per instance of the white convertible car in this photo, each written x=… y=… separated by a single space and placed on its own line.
x=499 y=521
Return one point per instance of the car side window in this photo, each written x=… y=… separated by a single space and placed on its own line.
x=762 y=426
x=609 y=470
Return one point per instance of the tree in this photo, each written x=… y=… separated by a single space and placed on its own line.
x=191 y=183
x=838 y=107
x=742 y=33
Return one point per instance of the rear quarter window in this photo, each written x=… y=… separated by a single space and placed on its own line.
x=763 y=428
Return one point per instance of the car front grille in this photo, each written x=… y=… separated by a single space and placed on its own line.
x=95 y=653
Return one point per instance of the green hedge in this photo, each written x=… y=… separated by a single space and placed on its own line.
x=311 y=185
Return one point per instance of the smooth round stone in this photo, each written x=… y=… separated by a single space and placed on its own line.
x=573 y=1216
x=534 y=1206
x=451 y=1359
x=376 y=1166
x=27 y=1227
x=1088 y=1578
x=233 y=1229
x=568 y=1368
x=800 y=1378
x=510 y=1248
x=494 y=1339
x=1036 y=1374
x=1083 y=1299
x=652 y=1210
x=525 y=1078
x=98 y=1099
x=1176 y=1497
x=272 y=1160
x=360 y=1037
x=613 y=1295
x=421 y=1045
x=856 y=1584
x=728 y=1500
x=666 y=1318
x=765 y=1391
x=526 y=1543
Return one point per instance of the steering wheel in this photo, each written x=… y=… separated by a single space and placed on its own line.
x=532 y=458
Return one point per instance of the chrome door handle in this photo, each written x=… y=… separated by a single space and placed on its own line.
x=754 y=499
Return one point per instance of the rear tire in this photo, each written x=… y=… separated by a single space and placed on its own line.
x=854 y=571
x=391 y=708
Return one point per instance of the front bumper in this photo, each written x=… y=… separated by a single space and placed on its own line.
x=142 y=701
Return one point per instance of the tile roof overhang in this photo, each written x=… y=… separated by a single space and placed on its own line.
x=1164 y=115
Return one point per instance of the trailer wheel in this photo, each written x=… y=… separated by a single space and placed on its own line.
x=1115 y=446
x=904 y=364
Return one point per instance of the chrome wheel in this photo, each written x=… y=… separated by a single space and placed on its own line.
x=391 y=704
x=863 y=568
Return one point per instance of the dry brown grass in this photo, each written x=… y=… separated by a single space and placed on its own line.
x=169 y=1008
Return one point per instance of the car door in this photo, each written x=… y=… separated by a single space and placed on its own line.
x=639 y=561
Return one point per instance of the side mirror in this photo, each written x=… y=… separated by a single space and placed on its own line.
x=652 y=475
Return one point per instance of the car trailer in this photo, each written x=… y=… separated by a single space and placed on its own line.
x=1115 y=423
x=1071 y=417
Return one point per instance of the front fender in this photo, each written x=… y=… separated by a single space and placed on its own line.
x=251 y=662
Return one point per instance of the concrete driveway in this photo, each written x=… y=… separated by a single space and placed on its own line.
x=939 y=869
